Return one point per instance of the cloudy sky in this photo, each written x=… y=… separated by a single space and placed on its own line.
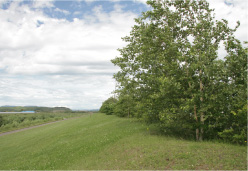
x=57 y=53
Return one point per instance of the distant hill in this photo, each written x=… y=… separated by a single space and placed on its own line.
x=33 y=108
x=7 y=106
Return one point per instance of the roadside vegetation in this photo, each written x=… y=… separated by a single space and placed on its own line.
x=171 y=73
x=10 y=122
x=100 y=141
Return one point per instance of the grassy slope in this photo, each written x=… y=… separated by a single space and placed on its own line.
x=109 y=142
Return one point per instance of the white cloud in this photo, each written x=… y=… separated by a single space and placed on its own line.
x=77 y=13
x=73 y=57
x=236 y=11
x=43 y=3
x=60 y=41
x=232 y=11
x=59 y=90
x=62 y=11
x=141 y=1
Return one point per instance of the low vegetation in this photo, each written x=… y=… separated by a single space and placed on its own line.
x=9 y=122
x=33 y=108
x=101 y=141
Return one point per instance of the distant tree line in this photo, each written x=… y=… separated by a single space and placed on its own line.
x=33 y=108
x=171 y=73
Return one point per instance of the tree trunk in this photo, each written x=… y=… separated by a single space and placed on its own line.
x=197 y=129
x=195 y=114
x=202 y=123
x=202 y=114
x=128 y=112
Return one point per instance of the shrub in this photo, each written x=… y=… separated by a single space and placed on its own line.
x=108 y=106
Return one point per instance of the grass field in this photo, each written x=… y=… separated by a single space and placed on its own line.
x=108 y=142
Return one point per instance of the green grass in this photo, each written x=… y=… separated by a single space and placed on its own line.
x=108 y=142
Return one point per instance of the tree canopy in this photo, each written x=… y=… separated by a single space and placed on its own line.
x=171 y=74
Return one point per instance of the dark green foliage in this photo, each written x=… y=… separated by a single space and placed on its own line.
x=1 y=120
x=170 y=73
x=125 y=107
x=108 y=106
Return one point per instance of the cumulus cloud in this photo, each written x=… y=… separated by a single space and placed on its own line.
x=58 y=41
x=55 y=62
x=232 y=11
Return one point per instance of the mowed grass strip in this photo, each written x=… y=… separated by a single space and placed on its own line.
x=108 y=142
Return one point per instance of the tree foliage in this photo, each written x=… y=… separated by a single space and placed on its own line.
x=170 y=72
x=1 y=120
x=108 y=106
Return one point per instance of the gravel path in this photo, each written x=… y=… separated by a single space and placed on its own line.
x=23 y=129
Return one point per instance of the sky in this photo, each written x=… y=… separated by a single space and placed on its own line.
x=57 y=53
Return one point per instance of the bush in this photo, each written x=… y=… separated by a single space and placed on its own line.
x=26 y=122
x=15 y=124
x=237 y=131
x=108 y=106
x=176 y=124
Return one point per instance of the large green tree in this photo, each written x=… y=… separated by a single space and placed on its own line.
x=172 y=68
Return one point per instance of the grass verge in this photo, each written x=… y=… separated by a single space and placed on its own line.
x=108 y=142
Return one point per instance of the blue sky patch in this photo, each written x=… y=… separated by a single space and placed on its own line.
x=77 y=9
